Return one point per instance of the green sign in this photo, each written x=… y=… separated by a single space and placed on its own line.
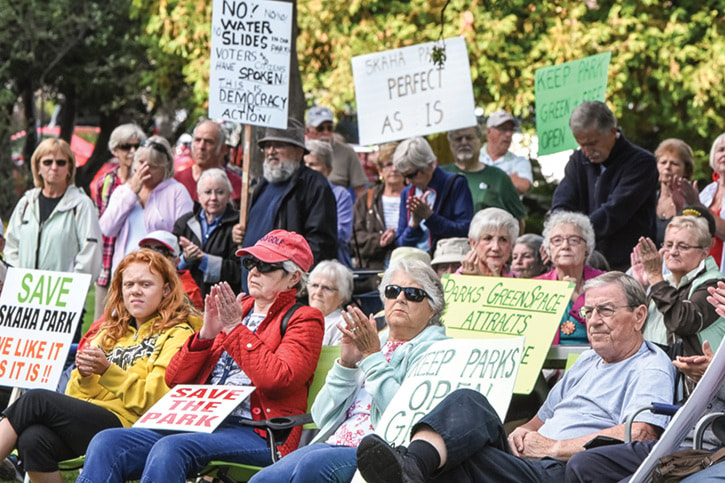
x=559 y=89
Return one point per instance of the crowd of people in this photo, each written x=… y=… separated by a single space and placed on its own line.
x=187 y=294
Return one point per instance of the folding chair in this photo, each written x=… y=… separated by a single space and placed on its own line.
x=277 y=428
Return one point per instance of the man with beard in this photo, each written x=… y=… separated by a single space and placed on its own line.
x=490 y=187
x=290 y=196
x=208 y=150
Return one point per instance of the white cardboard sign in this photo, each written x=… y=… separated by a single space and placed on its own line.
x=401 y=93
x=194 y=407
x=250 y=62
x=39 y=313
x=489 y=366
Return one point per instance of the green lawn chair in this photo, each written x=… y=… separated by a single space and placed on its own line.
x=277 y=428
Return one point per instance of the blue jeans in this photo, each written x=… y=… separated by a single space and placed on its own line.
x=311 y=464
x=118 y=455
x=713 y=473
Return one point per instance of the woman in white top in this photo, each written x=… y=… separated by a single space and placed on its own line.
x=330 y=286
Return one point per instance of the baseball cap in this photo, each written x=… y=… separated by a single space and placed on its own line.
x=451 y=250
x=318 y=114
x=165 y=238
x=280 y=245
x=500 y=117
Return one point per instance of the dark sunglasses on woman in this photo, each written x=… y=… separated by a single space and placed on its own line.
x=262 y=267
x=413 y=294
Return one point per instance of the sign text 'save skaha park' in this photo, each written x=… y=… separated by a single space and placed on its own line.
x=401 y=93
x=39 y=313
x=250 y=62
x=559 y=89
x=492 y=307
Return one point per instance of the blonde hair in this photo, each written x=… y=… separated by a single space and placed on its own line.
x=53 y=146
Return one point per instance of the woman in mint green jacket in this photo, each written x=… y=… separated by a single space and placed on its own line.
x=369 y=372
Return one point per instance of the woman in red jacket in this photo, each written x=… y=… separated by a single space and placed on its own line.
x=243 y=342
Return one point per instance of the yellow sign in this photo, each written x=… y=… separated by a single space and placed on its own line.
x=491 y=307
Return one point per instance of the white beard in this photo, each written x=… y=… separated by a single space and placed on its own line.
x=282 y=171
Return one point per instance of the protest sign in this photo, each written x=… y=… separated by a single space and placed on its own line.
x=39 y=313
x=194 y=407
x=250 y=62
x=559 y=89
x=487 y=307
x=696 y=406
x=486 y=366
x=401 y=93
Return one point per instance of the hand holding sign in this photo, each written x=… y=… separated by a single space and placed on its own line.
x=92 y=360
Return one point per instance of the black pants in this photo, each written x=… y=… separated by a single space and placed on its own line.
x=53 y=427
x=477 y=447
x=612 y=463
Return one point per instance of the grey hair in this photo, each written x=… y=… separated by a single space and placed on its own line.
x=490 y=219
x=579 y=220
x=221 y=134
x=124 y=133
x=631 y=288
x=592 y=113
x=291 y=267
x=715 y=144
x=479 y=131
x=413 y=154
x=533 y=242
x=216 y=174
x=338 y=272
x=322 y=150
x=163 y=158
x=422 y=273
x=698 y=226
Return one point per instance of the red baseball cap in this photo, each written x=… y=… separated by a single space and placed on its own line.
x=280 y=245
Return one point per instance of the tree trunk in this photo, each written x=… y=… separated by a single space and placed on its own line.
x=68 y=113
x=85 y=174
x=31 y=134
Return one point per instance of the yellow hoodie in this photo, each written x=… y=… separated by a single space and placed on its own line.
x=135 y=379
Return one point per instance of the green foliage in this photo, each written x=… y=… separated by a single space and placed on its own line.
x=664 y=80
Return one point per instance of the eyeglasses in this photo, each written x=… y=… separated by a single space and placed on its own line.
x=325 y=127
x=386 y=166
x=411 y=175
x=604 y=311
x=158 y=147
x=573 y=240
x=324 y=288
x=129 y=146
x=262 y=267
x=277 y=145
x=412 y=294
x=680 y=247
x=58 y=162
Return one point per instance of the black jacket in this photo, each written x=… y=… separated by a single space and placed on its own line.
x=220 y=248
x=307 y=207
x=620 y=201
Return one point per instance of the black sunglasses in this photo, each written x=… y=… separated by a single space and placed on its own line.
x=59 y=162
x=412 y=294
x=411 y=175
x=158 y=147
x=128 y=146
x=262 y=267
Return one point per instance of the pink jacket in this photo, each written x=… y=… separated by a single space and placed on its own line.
x=589 y=272
x=166 y=203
